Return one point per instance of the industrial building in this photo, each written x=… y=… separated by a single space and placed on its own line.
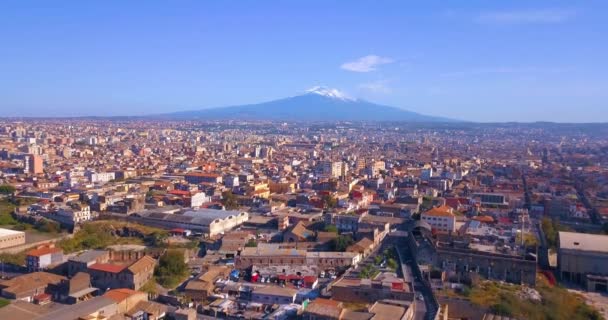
x=211 y=222
x=583 y=258
x=11 y=238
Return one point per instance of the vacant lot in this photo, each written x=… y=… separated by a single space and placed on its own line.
x=556 y=303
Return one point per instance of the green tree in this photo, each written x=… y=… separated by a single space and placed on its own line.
x=331 y=228
x=4 y=302
x=7 y=189
x=229 y=200
x=251 y=243
x=342 y=242
x=171 y=269
x=502 y=309
x=48 y=226
x=329 y=202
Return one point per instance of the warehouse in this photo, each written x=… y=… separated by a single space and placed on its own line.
x=11 y=238
x=583 y=258
x=208 y=221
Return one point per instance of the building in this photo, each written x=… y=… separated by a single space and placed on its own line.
x=83 y=261
x=347 y=222
x=96 y=308
x=130 y=301
x=100 y=177
x=27 y=286
x=323 y=309
x=212 y=222
x=198 y=199
x=11 y=238
x=34 y=164
x=113 y=276
x=442 y=219
x=462 y=261
x=583 y=258
x=330 y=169
x=278 y=255
x=73 y=214
x=74 y=290
x=200 y=177
x=375 y=168
x=384 y=286
x=494 y=199
x=43 y=257
x=273 y=295
x=200 y=288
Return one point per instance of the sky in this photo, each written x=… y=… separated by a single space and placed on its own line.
x=474 y=60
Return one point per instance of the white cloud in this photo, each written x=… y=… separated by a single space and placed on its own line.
x=366 y=64
x=526 y=17
x=379 y=86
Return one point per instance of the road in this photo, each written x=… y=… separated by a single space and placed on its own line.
x=425 y=309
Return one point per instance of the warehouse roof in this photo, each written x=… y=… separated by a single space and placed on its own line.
x=583 y=242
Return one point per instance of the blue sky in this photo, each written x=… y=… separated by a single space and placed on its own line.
x=475 y=60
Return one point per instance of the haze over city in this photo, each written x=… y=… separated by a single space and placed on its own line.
x=488 y=61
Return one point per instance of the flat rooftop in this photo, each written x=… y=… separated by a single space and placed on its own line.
x=583 y=242
x=9 y=232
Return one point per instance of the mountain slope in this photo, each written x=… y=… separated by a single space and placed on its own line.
x=318 y=104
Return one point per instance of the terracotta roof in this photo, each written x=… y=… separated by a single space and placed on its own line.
x=443 y=211
x=106 y=267
x=43 y=251
x=119 y=295
x=179 y=192
x=208 y=175
x=484 y=219
x=325 y=308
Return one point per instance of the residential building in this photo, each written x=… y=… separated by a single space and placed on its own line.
x=34 y=164
x=112 y=276
x=27 y=286
x=83 y=261
x=442 y=219
x=43 y=257
x=384 y=286
x=273 y=295
x=201 y=287
x=201 y=177
x=73 y=214
x=100 y=177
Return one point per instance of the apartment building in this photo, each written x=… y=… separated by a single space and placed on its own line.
x=442 y=219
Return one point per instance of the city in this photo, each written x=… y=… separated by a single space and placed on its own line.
x=303 y=160
x=266 y=220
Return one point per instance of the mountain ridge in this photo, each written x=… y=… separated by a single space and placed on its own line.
x=316 y=104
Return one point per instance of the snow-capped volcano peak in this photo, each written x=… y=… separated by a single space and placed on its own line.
x=330 y=93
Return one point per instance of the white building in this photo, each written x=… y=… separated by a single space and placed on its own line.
x=330 y=169
x=198 y=199
x=74 y=214
x=100 y=177
x=209 y=221
x=442 y=219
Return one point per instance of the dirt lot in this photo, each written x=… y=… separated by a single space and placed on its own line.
x=597 y=300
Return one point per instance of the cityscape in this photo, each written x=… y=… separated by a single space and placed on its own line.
x=188 y=161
